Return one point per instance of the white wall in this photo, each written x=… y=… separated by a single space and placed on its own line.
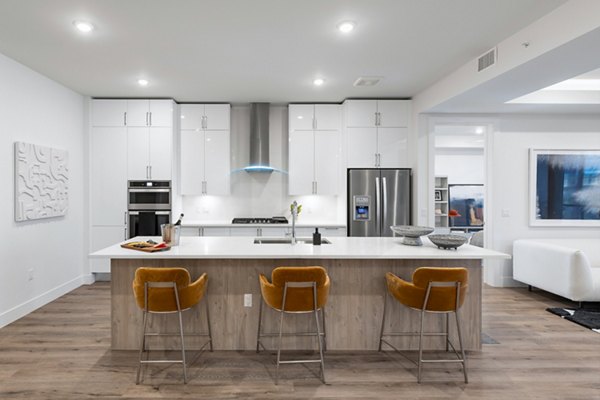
x=461 y=166
x=260 y=194
x=513 y=137
x=38 y=110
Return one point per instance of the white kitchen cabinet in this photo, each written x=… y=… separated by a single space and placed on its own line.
x=254 y=231
x=314 y=149
x=190 y=231
x=192 y=161
x=301 y=117
x=205 y=116
x=393 y=113
x=361 y=150
x=327 y=162
x=377 y=133
x=245 y=231
x=149 y=153
x=157 y=113
x=106 y=112
x=205 y=152
x=308 y=117
x=215 y=231
x=360 y=113
x=108 y=176
x=132 y=113
x=160 y=153
x=392 y=144
x=301 y=176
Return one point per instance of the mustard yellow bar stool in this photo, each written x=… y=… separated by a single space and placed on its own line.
x=168 y=290
x=295 y=290
x=435 y=290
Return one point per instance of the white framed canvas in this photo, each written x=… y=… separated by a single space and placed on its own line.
x=564 y=187
x=41 y=182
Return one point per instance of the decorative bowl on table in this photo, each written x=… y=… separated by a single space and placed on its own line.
x=447 y=241
x=411 y=234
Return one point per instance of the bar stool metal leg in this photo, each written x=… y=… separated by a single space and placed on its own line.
x=210 y=340
x=462 y=349
x=324 y=330
x=142 y=347
x=318 y=332
x=385 y=297
x=260 y=311
x=181 y=333
x=280 y=334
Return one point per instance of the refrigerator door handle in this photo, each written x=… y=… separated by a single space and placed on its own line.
x=378 y=204
x=384 y=205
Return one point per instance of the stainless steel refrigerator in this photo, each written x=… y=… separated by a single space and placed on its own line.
x=377 y=199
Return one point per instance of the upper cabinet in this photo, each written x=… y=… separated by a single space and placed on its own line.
x=377 y=133
x=205 y=116
x=205 y=149
x=157 y=113
x=146 y=131
x=109 y=112
x=314 y=149
x=373 y=113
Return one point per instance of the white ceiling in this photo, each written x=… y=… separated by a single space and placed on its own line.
x=259 y=50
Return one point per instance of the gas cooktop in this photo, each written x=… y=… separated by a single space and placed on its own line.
x=273 y=220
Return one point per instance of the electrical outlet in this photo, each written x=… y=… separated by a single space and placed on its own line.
x=30 y=275
x=248 y=300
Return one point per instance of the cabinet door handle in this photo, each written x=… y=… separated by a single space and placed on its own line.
x=315 y=187
x=375 y=118
x=125 y=118
x=146 y=118
x=150 y=168
x=200 y=231
x=125 y=233
x=150 y=118
x=376 y=159
x=125 y=218
x=314 y=123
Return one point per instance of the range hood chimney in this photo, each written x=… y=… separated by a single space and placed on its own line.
x=259 y=138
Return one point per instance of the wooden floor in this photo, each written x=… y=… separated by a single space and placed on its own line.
x=62 y=351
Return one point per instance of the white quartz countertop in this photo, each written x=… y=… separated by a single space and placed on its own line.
x=228 y=224
x=340 y=247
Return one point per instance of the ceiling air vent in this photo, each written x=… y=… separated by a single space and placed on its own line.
x=487 y=60
x=367 y=81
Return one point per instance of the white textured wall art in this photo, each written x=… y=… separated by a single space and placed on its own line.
x=41 y=182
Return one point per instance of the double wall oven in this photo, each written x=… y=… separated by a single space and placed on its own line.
x=149 y=206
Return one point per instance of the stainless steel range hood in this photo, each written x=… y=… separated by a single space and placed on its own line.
x=259 y=138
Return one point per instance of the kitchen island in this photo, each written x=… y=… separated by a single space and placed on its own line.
x=356 y=266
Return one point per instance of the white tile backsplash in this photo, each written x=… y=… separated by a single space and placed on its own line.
x=261 y=194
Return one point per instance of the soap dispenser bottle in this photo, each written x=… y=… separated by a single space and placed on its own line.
x=316 y=237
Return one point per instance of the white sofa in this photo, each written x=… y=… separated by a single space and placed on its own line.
x=567 y=267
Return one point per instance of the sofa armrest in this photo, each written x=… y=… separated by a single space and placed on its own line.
x=558 y=269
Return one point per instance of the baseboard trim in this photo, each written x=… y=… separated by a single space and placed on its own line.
x=31 y=305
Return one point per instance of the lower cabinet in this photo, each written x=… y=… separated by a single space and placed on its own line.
x=253 y=231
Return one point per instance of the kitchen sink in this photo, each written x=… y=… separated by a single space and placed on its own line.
x=287 y=241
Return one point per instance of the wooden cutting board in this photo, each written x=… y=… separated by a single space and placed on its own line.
x=148 y=248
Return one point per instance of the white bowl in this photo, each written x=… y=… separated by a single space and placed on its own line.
x=412 y=234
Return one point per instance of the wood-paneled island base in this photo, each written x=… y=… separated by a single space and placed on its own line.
x=354 y=310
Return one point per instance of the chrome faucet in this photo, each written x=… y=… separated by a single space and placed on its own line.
x=294 y=210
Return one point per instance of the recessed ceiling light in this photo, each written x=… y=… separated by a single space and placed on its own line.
x=300 y=117
x=143 y=82
x=183 y=117
x=83 y=26
x=479 y=130
x=346 y=26
x=318 y=81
